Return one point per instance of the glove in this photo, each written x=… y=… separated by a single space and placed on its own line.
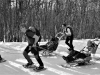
x=34 y=45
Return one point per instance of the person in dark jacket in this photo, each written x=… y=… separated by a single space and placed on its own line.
x=32 y=37
x=68 y=32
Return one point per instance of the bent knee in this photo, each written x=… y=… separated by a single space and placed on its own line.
x=24 y=52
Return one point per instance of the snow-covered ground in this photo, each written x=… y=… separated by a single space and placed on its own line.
x=62 y=47
x=12 y=51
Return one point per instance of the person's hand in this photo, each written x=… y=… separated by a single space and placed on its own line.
x=34 y=45
x=30 y=47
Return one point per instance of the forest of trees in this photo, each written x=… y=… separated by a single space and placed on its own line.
x=48 y=16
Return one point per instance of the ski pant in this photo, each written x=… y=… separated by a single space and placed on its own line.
x=69 y=42
x=35 y=51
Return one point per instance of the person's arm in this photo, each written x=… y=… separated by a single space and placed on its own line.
x=68 y=33
x=36 y=39
x=33 y=35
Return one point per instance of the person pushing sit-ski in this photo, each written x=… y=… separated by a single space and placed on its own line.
x=33 y=37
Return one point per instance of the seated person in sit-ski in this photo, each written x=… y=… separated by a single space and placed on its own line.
x=92 y=47
x=51 y=44
x=84 y=54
